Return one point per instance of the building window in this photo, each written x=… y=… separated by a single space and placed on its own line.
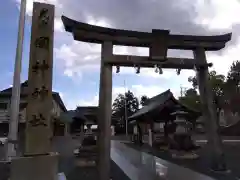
x=4 y=106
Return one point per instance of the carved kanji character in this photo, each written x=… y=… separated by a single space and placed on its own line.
x=40 y=92
x=38 y=120
x=40 y=66
x=42 y=42
x=43 y=17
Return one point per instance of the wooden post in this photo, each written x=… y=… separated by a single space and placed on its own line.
x=105 y=112
x=81 y=133
x=152 y=132
x=66 y=129
x=209 y=112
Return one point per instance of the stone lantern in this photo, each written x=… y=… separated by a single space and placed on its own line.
x=181 y=122
x=182 y=137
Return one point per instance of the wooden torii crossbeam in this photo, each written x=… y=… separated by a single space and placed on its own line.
x=143 y=61
x=158 y=42
x=95 y=34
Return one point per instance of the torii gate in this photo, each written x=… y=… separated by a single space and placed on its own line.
x=159 y=41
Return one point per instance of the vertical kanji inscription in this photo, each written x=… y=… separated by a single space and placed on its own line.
x=38 y=129
x=43 y=17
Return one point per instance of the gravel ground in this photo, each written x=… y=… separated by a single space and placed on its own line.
x=202 y=164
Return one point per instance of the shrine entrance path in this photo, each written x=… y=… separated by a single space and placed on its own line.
x=65 y=147
x=201 y=165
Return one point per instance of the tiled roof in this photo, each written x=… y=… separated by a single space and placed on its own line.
x=69 y=116
x=88 y=110
x=9 y=90
x=153 y=103
x=58 y=99
x=158 y=102
x=158 y=97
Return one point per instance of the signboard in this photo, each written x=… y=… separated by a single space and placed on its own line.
x=159 y=46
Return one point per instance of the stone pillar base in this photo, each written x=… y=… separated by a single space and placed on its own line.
x=44 y=167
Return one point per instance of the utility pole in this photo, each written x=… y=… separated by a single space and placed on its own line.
x=125 y=109
x=15 y=99
x=182 y=90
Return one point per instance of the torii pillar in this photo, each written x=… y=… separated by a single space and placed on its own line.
x=105 y=112
x=209 y=111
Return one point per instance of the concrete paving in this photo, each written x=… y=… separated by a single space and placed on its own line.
x=202 y=164
x=67 y=163
x=140 y=165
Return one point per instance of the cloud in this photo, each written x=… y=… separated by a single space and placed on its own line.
x=89 y=102
x=58 y=26
x=29 y=5
x=218 y=14
x=150 y=91
x=194 y=17
x=181 y=17
x=78 y=56
x=223 y=62
x=72 y=103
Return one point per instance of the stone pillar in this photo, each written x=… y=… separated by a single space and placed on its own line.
x=150 y=135
x=39 y=163
x=105 y=112
x=81 y=132
x=88 y=130
x=38 y=129
x=209 y=111
x=135 y=129
x=153 y=132
x=66 y=129
x=112 y=130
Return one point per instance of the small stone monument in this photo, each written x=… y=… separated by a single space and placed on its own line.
x=38 y=162
x=181 y=122
x=87 y=153
x=182 y=137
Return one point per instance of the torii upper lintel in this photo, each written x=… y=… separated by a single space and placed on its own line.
x=96 y=34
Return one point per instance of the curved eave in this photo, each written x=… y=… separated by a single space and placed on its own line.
x=96 y=34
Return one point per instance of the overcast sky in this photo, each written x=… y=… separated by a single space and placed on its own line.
x=76 y=64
